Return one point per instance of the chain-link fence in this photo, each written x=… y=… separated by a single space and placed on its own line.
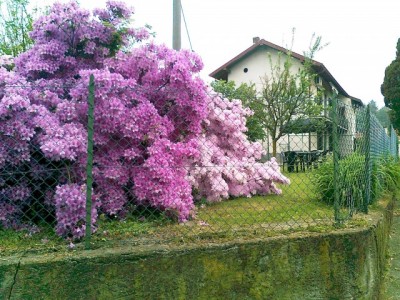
x=131 y=165
x=363 y=150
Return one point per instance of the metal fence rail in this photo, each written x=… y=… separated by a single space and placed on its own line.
x=40 y=190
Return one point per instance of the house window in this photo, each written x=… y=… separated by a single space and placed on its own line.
x=320 y=141
x=342 y=111
x=245 y=70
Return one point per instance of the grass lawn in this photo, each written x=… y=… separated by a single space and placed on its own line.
x=297 y=203
x=297 y=209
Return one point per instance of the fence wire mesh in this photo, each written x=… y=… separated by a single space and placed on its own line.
x=157 y=177
x=363 y=145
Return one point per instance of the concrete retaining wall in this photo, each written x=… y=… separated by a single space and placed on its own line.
x=342 y=265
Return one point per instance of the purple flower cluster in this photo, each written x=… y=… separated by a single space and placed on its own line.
x=161 y=182
x=70 y=203
x=12 y=198
x=16 y=125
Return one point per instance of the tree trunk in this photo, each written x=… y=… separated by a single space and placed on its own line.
x=274 y=141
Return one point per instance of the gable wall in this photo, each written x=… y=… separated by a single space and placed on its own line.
x=258 y=65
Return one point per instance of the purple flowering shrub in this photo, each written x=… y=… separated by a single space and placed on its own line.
x=17 y=131
x=158 y=134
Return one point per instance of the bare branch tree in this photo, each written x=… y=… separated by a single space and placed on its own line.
x=287 y=97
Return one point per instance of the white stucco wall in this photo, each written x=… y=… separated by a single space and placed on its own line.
x=346 y=138
x=258 y=65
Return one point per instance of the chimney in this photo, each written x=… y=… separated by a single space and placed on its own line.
x=256 y=39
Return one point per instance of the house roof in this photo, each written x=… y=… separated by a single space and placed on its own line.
x=320 y=69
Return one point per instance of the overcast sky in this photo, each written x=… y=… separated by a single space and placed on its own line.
x=362 y=34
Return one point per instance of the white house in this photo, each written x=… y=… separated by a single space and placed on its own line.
x=254 y=63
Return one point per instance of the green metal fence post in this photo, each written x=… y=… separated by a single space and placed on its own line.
x=89 y=164
x=335 y=148
x=395 y=140
x=368 y=162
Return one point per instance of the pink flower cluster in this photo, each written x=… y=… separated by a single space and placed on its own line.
x=6 y=61
x=229 y=163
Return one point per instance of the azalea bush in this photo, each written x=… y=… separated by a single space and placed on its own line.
x=159 y=137
x=229 y=163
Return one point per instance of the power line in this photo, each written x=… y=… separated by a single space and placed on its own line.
x=186 y=27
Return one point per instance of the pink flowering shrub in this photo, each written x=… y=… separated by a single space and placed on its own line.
x=12 y=198
x=69 y=39
x=229 y=163
x=157 y=135
x=149 y=105
x=26 y=175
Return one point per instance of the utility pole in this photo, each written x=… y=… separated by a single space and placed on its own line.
x=176 y=27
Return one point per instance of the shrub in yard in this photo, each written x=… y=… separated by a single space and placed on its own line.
x=149 y=109
x=156 y=130
x=149 y=106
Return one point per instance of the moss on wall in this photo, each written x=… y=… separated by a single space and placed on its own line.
x=341 y=265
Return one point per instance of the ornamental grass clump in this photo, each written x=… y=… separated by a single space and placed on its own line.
x=386 y=176
x=350 y=181
x=352 y=176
